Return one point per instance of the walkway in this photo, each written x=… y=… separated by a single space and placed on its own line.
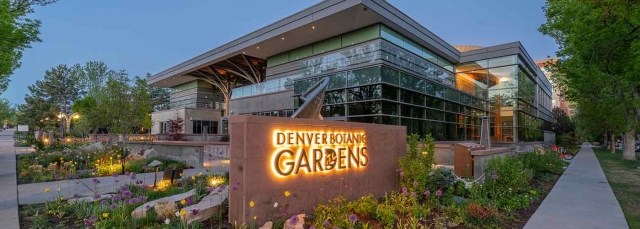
x=8 y=192
x=582 y=198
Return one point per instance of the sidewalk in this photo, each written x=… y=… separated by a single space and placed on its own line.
x=582 y=198
x=8 y=195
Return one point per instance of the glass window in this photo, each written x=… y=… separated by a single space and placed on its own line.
x=337 y=81
x=389 y=120
x=429 y=55
x=302 y=86
x=333 y=97
x=502 y=61
x=364 y=93
x=365 y=108
x=434 y=102
x=391 y=36
x=412 y=82
x=434 y=115
x=332 y=111
x=473 y=65
x=453 y=95
x=278 y=59
x=327 y=45
x=412 y=97
x=389 y=108
x=361 y=35
x=390 y=75
x=411 y=111
x=389 y=92
x=364 y=76
x=366 y=119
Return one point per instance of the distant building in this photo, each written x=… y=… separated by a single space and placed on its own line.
x=383 y=66
x=557 y=100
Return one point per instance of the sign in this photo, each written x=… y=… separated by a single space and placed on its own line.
x=23 y=128
x=312 y=152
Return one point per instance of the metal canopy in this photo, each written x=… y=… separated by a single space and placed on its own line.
x=233 y=72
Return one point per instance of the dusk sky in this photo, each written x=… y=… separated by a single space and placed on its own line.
x=152 y=35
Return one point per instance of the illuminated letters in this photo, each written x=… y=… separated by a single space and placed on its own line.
x=312 y=152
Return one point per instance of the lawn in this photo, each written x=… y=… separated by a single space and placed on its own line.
x=624 y=178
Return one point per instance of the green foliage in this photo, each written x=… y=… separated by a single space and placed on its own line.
x=547 y=163
x=441 y=179
x=566 y=140
x=385 y=214
x=479 y=214
x=17 y=32
x=416 y=164
x=506 y=176
x=561 y=122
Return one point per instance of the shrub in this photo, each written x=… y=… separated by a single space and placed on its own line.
x=441 y=179
x=416 y=164
x=479 y=214
x=548 y=163
x=506 y=176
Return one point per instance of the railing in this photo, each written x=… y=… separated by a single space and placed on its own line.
x=270 y=86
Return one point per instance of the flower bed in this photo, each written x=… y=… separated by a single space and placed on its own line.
x=115 y=211
x=80 y=160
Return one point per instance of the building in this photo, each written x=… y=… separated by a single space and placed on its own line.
x=383 y=66
x=557 y=100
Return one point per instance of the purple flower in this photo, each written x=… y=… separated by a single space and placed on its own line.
x=96 y=196
x=427 y=193
x=415 y=184
x=194 y=211
x=413 y=194
x=326 y=223
x=144 y=168
x=142 y=198
x=103 y=202
x=95 y=181
x=147 y=207
x=211 y=189
x=126 y=173
x=116 y=197
x=312 y=227
x=113 y=206
x=293 y=220
x=75 y=195
x=58 y=177
x=93 y=218
x=117 y=181
x=127 y=194
x=210 y=155
x=114 y=175
x=189 y=201
x=238 y=183
x=123 y=188
x=353 y=218
x=139 y=182
x=132 y=176
x=494 y=175
x=88 y=224
x=439 y=192
x=404 y=191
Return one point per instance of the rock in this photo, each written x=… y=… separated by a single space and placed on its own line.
x=141 y=211
x=142 y=155
x=299 y=225
x=165 y=209
x=154 y=163
x=207 y=207
x=35 y=167
x=88 y=199
x=267 y=225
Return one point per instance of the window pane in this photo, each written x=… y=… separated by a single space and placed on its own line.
x=390 y=75
x=389 y=108
x=412 y=82
x=502 y=61
x=333 y=97
x=365 y=108
x=366 y=119
x=332 y=111
x=302 y=86
x=391 y=36
x=389 y=92
x=337 y=81
x=364 y=93
x=364 y=76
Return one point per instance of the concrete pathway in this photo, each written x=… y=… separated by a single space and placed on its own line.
x=581 y=199
x=8 y=192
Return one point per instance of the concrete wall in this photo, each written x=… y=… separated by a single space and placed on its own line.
x=253 y=159
x=266 y=102
x=194 y=154
x=444 y=154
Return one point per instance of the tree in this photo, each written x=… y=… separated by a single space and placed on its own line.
x=598 y=61
x=60 y=86
x=160 y=97
x=92 y=76
x=17 y=32
x=561 y=122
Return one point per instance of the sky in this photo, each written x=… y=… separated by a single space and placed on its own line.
x=148 y=36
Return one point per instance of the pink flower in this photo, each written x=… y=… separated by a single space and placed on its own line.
x=439 y=192
x=427 y=193
x=415 y=184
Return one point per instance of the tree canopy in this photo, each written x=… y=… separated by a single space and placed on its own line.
x=17 y=32
x=598 y=62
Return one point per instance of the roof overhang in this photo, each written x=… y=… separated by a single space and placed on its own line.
x=324 y=20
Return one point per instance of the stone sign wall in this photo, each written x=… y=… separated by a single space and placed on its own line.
x=299 y=163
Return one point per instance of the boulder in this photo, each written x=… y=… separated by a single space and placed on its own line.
x=141 y=211
x=299 y=225
x=165 y=209
x=207 y=207
x=154 y=163
x=142 y=155
x=267 y=225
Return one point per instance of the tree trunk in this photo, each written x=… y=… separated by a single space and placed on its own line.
x=629 y=149
x=606 y=140
x=613 y=143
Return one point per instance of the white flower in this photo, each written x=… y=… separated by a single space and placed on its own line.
x=167 y=221
x=177 y=214
x=275 y=205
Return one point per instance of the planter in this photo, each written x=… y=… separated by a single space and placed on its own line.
x=172 y=174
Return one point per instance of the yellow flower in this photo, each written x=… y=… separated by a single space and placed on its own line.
x=181 y=174
x=183 y=212
x=105 y=215
x=47 y=190
x=254 y=218
x=287 y=193
x=61 y=198
x=183 y=202
x=251 y=204
x=193 y=177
